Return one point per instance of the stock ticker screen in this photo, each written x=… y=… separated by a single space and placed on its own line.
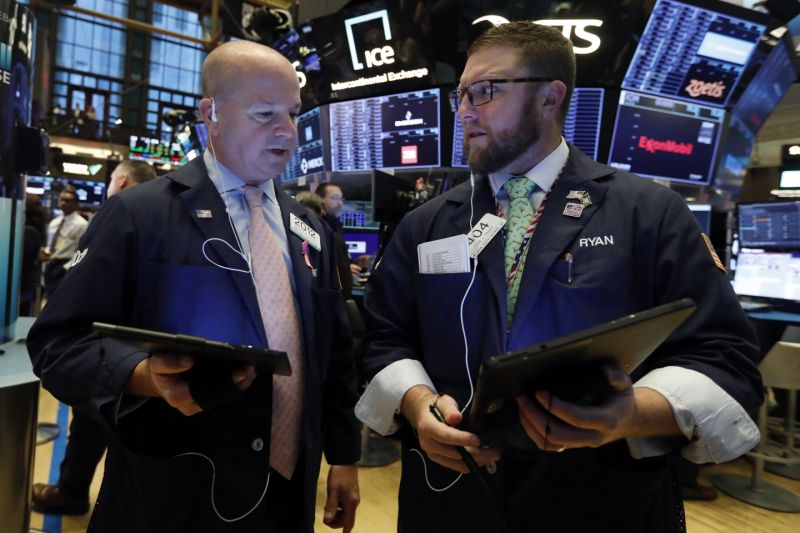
x=581 y=125
x=692 y=53
x=394 y=131
x=663 y=138
x=770 y=225
x=155 y=150
x=309 y=157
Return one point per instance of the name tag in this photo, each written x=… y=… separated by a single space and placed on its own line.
x=305 y=232
x=483 y=232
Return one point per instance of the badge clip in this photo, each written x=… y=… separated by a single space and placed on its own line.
x=304 y=248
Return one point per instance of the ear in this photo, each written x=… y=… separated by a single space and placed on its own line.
x=205 y=113
x=553 y=95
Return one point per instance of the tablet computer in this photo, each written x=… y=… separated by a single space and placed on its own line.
x=158 y=341
x=569 y=366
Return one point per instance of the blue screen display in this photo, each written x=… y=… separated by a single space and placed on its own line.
x=692 y=53
x=668 y=139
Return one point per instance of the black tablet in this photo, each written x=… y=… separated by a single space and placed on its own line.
x=569 y=366
x=158 y=341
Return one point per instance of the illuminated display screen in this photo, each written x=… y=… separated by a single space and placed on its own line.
x=734 y=155
x=88 y=192
x=662 y=138
x=768 y=275
x=148 y=149
x=770 y=83
x=364 y=242
x=692 y=53
x=396 y=131
x=770 y=225
x=581 y=125
x=309 y=156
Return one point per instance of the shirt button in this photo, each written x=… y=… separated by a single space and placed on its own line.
x=257 y=445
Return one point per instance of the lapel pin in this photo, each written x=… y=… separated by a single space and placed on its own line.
x=573 y=210
x=203 y=213
x=582 y=196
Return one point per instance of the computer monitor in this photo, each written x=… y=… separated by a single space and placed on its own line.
x=696 y=52
x=309 y=157
x=790 y=178
x=770 y=225
x=90 y=193
x=155 y=150
x=581 y=125
x=702 y=212
x=770 y=275
x=773 y=71
x=734 y=155
x=658 y=137
x=394 y=131
x=361 y=241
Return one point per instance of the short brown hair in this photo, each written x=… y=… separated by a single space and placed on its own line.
x=545 y=51
x=311 y=201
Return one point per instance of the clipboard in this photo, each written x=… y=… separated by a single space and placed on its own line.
x=569 y=366
x=151 y=341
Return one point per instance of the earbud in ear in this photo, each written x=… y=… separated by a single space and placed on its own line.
x=214 y=111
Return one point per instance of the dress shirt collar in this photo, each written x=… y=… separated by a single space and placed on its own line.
x=226 y=181
x=543 y=174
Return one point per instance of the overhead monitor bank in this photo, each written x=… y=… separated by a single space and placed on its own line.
x=393 y=131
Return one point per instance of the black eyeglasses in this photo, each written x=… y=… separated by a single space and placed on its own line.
x=482 y=91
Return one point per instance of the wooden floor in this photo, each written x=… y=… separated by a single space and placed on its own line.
x=378 y=510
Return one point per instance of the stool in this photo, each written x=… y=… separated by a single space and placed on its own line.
x=779 y=369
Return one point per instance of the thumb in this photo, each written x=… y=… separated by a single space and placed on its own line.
x=331 y=506
x=449 y=408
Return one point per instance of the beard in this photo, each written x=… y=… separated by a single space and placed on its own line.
x=505 y=147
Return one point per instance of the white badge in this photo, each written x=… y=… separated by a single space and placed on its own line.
x=305 y=232
x=483 y=232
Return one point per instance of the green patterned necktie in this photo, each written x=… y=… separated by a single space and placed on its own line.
x=520 y=214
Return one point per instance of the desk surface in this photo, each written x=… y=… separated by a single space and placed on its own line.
x=775 y=315
x=15 y=364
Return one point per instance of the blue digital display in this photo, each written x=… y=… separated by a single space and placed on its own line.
x=581 y=125
x=310 y=154
x=692 y=53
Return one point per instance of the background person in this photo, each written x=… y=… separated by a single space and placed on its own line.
x=64 y=232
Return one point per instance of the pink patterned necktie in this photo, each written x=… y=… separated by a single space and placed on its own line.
x=278 y=312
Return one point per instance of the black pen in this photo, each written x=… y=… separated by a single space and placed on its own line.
x=465 y=455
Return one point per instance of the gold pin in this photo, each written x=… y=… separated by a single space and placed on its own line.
x=573 y=210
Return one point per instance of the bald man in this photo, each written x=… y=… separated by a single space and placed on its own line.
x=129 y=173
x=193 y=444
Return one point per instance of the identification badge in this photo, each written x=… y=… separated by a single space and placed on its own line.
x=483 y=232
x=203 y=213
x=573 y=210
x=305 y=232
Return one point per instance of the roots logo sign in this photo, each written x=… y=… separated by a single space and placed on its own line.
x=5 y=63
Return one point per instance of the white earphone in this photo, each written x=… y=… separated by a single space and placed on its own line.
x=213 y=111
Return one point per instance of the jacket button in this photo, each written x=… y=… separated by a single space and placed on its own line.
x=257 y=445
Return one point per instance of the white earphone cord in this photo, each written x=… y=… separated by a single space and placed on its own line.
x=466 y=345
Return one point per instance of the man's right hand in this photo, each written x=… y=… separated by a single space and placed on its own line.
x=437 y=439
x=160 y=376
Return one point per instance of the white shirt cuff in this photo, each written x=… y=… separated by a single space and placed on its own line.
x=717 y=426
x=381 y=400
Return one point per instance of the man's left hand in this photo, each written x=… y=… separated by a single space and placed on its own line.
x=343 y=497
x=568 y=425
